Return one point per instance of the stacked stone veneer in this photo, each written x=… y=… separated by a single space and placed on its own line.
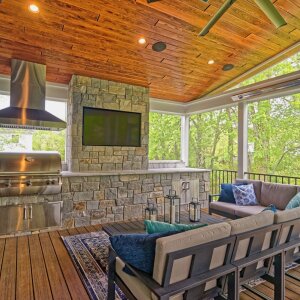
x=106 y=198
x=92 y=92
x=102 y=199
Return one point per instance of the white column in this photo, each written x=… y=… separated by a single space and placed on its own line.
x=242 y=139
x=185 y=132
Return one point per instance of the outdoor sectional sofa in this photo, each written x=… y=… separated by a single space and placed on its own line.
x=266 y=193
x=200 y=263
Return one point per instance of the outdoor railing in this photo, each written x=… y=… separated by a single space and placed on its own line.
x=228 y=176
x=273 y=178
x=221 y=176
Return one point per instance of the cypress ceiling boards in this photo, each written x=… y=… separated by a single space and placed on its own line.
x=100 y=39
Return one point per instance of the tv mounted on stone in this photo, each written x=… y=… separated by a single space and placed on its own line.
x=106 y=127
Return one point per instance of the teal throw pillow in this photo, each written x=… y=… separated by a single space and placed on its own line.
x=160 y=227
x=294 y=202
x=271 y=207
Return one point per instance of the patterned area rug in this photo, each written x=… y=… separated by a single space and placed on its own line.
x=89 y=253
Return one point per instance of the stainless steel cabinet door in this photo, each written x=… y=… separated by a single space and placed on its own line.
x=43 y=215
x=12 y=219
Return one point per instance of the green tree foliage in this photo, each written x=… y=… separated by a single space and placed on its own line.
x=274 y=143
x=164 y=137
x=50 y=141
x=274 y=132
x=213 y=139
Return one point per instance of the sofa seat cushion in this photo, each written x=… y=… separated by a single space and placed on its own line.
x=277 y=194
x=186 y=240
x=223 y=206
x=256 y=185
x=245 y=211
x=137 y=288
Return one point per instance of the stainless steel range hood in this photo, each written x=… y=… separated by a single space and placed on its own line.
x=27 y=99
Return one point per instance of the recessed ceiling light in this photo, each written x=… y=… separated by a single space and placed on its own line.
x=33 y=8
x=211 y=62
x=228 y=67
x=159 y=46
x=142 y=41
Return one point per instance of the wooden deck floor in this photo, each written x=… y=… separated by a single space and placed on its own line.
x=39 y=267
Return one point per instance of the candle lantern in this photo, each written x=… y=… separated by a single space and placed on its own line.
x=151 y=212
x=172 y=205
x=195 y=210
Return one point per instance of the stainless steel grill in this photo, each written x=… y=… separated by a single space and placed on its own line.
x=30 y=173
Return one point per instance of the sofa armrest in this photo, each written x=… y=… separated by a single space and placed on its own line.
x=212 y=196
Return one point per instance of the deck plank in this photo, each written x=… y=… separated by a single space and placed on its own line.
x=73 y=281
x=40 y=280
x=43 y=261
x=24 y=288
x=8 y=271
x=2 y=246
x=57 y=282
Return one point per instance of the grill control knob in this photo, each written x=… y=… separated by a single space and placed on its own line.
x=28 y=183
x=53 y=181
x=8 y=184
x=48 y=182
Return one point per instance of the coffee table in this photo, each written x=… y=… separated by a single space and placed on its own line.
x=137 y=226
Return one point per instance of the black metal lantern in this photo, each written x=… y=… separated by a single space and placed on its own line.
x=172 y=205
x=151 y=212
x=195 y=210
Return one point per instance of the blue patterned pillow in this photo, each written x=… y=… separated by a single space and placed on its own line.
x=226 y=194
x=244 y=195
x=294 y=202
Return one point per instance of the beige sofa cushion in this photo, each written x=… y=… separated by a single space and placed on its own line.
x=186 y=240
x=223 y=206
x=287 y=215
x=277 y=194
x=246 y=211
x=260 y=220
x=246 y=224
x=256 y=185
x=137 y=288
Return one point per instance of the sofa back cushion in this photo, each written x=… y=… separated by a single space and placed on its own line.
x=256 y=185
x=277 y=194
x=286 y=216
x=184 y=240
x=254 y=222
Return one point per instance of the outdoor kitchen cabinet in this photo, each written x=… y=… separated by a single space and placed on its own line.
x=29 y=217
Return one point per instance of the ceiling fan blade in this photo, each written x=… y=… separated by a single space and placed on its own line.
x=271 y=12
x=216 y=17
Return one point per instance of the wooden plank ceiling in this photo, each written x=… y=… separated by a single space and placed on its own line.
x=99 y=38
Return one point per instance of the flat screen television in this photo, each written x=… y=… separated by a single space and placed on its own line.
x=105 y=127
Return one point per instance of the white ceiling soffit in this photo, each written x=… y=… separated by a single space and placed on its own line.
x=267 y=89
